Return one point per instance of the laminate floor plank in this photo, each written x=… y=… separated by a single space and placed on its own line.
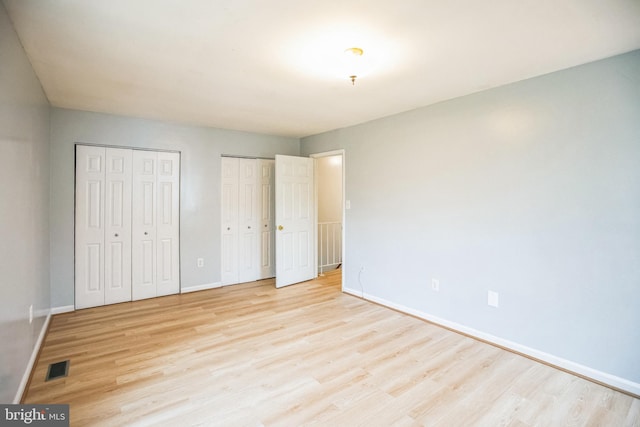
x=307 y=354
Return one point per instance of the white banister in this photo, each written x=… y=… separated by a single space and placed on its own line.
x=330 y=245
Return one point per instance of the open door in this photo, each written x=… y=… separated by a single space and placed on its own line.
x=296 y=259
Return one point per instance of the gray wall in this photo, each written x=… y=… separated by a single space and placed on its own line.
x=329 y=185
x=200 y=184
x=531 y=190
x=24 y=209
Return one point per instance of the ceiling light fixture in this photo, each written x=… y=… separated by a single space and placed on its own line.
x=353 y=56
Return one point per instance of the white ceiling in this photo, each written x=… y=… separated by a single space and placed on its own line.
x=269 y=66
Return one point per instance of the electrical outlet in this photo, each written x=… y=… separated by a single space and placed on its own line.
x=493 y=299
x=200 y=262
x=435 y=285
x=31 y=314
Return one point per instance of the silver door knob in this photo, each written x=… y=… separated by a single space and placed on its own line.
x=228 y=228
x=249 y=227
x=116 y=234
x=145 y=233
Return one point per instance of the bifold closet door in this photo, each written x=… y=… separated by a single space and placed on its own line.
x=249 y=211
x=117 y=256
x=267 y=218
x=89 y=238
x=247 y=233
x=230 y=220
x=103 y=226
x=155 y=224
x=168 y=224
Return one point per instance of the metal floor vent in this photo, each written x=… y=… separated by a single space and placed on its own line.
x=57 y=370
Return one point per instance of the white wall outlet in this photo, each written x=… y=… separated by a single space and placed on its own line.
x=493 y=298
x=31 y=314
x=200 y=262
x=347 y=204
x=435 y=285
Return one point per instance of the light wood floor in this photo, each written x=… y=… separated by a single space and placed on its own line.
x=251 y=355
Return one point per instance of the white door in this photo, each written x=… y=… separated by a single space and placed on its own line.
x=168 y=223
x=295 y=218
x=89 y=217
x=127 y=225
x=248 y=245
x=117 y=232
x=144 y=251
x=155 y=226
x=267 y=218
x=230 y=220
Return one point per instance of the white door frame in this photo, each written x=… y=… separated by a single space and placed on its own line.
x=340 y=152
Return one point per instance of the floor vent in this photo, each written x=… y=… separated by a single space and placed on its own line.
x=57 y=370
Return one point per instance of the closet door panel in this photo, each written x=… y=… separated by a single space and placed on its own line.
x=143 y=240
x=229 y=232
x=168 y=224
x=89 y=217
x=267 y=224
x=117 y=254
x=249 y=211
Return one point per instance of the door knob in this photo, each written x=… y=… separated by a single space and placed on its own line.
x=116 y=234
x=228 y=228
x=280 y=228
x=249 y=227
x=145 y=233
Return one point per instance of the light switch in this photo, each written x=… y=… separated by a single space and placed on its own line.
x=492 y=298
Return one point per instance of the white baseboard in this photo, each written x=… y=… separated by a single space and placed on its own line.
x=353 y=292
x=62 y=309
x=203 y=287
x=568 y=365
x=32 y=360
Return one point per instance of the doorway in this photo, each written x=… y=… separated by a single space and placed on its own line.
x=322 y=176
x=330 y=205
